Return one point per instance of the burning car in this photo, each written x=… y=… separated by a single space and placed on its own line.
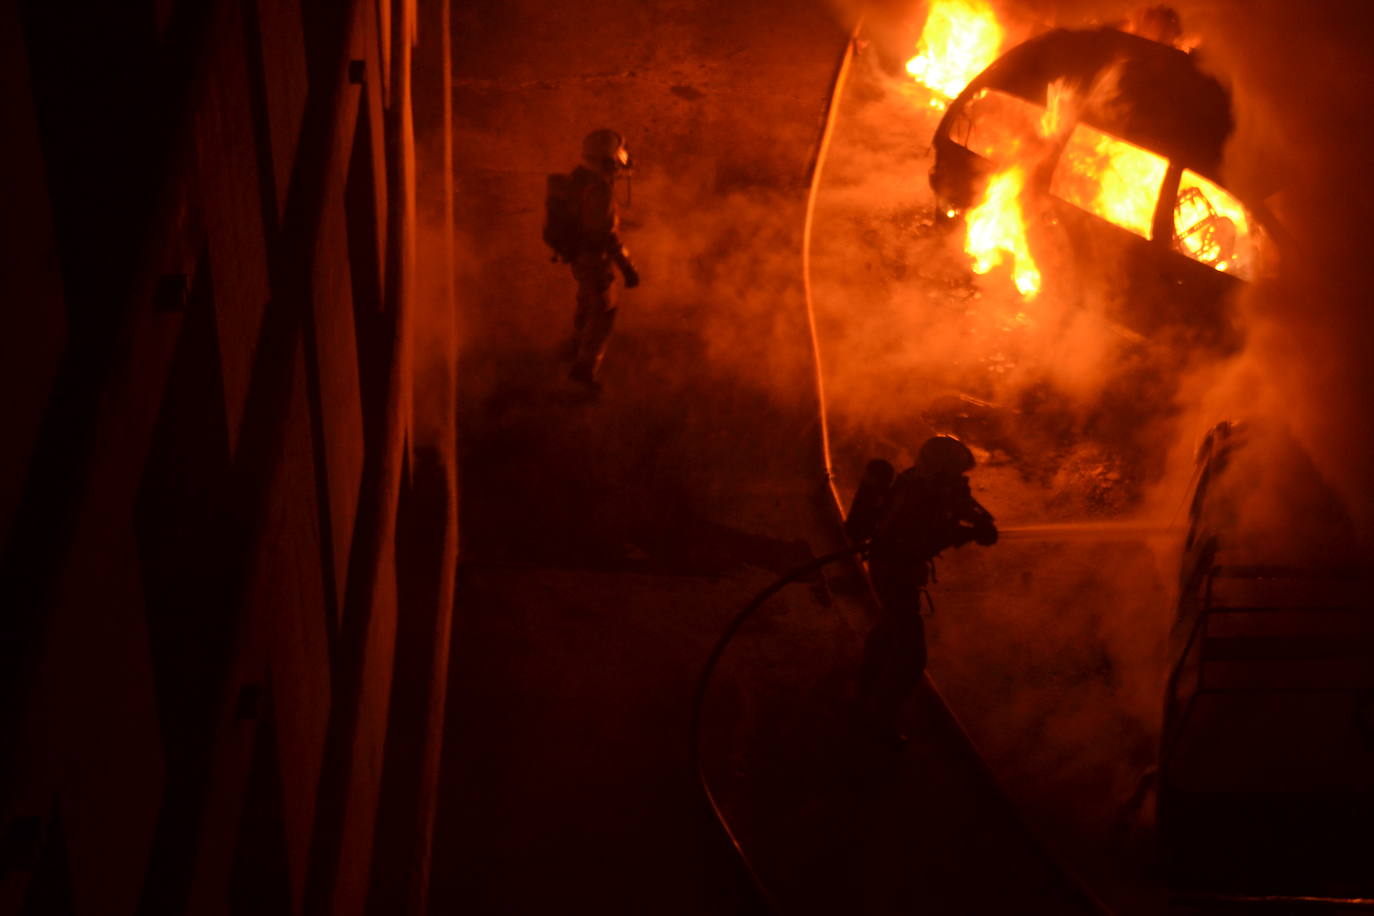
x=1111 y=143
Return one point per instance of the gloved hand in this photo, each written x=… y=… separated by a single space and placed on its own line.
x=631 y=275
x=982 y=532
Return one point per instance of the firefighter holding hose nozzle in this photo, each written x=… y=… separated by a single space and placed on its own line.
x=908 y=521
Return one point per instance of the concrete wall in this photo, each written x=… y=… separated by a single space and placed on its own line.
x=229 y=531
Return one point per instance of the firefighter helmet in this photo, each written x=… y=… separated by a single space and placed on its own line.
x=604 y=151
x=944 y=455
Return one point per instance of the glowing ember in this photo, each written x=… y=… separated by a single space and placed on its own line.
x=961 y=37
x=997 y=232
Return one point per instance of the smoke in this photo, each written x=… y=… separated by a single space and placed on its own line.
x=902 y=324
x=1301 y=79
x=722 y=126
x=1050 y=654
x=1055 y=655
x=913 y=344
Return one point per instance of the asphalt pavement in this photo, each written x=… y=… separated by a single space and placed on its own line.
x=607 y=541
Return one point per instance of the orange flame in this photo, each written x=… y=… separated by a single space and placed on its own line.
x=1110 y=177
x=997 y=231
x=1060 y=100
x=960 y=38
x=1211 y=226
x=1100 y=173
x=996 y=227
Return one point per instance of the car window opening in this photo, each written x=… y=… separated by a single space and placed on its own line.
x=1116 y=180
x=1211 y=226
x=1110 y=178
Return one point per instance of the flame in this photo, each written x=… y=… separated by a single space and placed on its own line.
x=1210 y=225
x=1060 y=101
x=996 y=227
x=1097 y=172
x=997 y=231
x=960 y=38
x=1111 y=178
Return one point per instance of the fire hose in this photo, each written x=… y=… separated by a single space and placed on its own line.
x=1027 y=532
x=704 y=682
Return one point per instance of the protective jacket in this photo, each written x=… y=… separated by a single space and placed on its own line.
x=926 y=514
x=598 y=251
x=599 y=219
x=919 y=516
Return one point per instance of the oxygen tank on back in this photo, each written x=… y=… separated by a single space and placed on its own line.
x=870 y=500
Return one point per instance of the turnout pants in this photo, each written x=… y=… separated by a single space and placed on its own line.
x=894 y=658
x=595 y=315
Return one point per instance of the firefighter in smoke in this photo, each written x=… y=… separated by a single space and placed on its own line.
x=582 y=226
x=908 y=522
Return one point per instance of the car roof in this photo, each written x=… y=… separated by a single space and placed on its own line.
x=1170 y=105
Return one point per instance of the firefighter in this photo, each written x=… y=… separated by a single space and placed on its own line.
x=925 y=510
x=593 y=248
